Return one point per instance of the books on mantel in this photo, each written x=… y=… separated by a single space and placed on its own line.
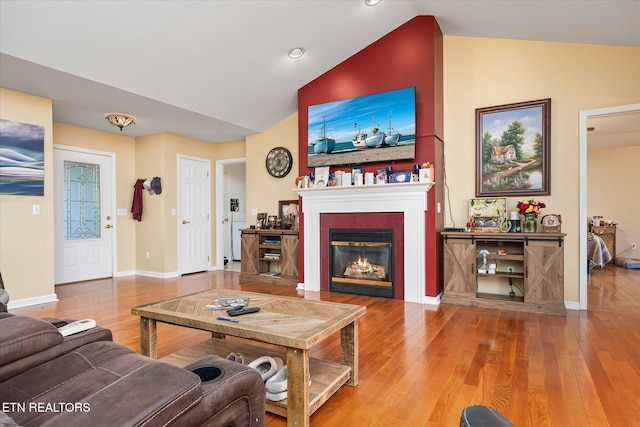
x=271 y=242
x=228 y=303
x=272 y=256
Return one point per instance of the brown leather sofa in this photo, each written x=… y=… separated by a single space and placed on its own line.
x=88 y=380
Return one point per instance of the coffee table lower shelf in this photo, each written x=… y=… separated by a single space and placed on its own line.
x=326 y=376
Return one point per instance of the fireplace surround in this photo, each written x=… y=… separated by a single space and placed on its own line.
x=410 y=199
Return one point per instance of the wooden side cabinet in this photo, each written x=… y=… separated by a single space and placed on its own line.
x=528 y=274
x=270 y=254
x=460 y=267
x=248 y=253
x=544 y=272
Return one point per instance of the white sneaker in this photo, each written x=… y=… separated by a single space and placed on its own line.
x=266 y=366
x=276 y=397
x=278 y=382
x=277 y=385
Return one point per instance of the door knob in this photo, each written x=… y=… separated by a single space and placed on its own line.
x=186 y=222
x=108 y=226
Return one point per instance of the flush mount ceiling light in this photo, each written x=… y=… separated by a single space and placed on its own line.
x=371 y=2
x=296 y=52
x=120 y=120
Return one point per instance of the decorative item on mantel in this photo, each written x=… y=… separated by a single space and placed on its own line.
x=530 y=209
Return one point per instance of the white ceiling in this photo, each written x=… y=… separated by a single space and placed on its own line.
x=217 y=70
x=616 y=130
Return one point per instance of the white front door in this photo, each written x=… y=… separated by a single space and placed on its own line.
x=83 y=215
x=194 y=208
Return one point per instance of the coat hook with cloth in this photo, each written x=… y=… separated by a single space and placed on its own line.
x=154 y=185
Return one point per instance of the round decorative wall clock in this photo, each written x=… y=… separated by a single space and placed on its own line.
x=279 y=162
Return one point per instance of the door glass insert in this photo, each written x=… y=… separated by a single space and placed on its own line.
x=81 y=201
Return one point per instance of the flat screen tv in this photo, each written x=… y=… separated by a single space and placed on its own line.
x=373 y=128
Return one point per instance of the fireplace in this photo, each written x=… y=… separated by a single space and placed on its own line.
x=361 y=262
x=398 y=206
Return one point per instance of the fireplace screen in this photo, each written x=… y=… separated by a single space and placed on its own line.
x=361 y=262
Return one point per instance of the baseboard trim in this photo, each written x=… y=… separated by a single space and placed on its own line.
x=125 y=273
x=26 y=302
x=157 y=274
x=433 y=300
x=572 y=305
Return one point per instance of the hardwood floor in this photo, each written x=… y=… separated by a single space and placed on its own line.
x=421 y=365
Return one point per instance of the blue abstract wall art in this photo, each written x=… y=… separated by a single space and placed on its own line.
x=21 y=158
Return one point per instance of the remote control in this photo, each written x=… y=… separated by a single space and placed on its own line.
x=75 y=327
x=239 y=311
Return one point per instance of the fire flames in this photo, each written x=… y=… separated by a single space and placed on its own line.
x=363 y=269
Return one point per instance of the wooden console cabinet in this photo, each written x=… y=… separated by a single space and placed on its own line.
x=270 y=254
x=529 y=264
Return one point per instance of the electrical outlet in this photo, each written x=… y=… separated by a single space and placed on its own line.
x=147 y=255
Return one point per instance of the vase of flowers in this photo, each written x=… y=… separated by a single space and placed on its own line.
x=530 y=209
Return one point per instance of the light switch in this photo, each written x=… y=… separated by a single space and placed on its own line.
x=36 y=209
x=122 y=212
x=254 y=211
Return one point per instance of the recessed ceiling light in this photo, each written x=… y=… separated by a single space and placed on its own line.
x=296 y=52
x=371 y=2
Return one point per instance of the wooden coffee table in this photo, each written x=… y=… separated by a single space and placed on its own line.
x=295 y=325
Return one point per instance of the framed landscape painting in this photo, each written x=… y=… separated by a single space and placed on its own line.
x=21 y=158
x=513 y=149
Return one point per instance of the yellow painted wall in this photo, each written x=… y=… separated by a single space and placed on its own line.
x=153 y=231
x=481 y=72
x=124 y=149
x=612 y=176
x=26 y=240
x=157 y=233
x=263 y=190
x=230 y=150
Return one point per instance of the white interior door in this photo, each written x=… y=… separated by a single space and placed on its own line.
x=194 y=208
x=83 y=216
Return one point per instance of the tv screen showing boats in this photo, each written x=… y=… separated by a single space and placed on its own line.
x=372 y=128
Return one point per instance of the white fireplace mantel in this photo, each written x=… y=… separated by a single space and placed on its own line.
x=409 y=198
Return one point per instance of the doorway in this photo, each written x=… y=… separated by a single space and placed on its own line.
x=230 y=210
x=84 y=230
x=584 y=117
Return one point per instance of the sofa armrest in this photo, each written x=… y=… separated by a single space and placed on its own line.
x=26 y=342
x=236 y=398
x=22 y=336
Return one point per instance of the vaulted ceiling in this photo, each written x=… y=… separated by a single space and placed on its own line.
x=218 y=70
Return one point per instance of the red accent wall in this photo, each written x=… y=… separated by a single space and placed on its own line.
x=411 y=55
